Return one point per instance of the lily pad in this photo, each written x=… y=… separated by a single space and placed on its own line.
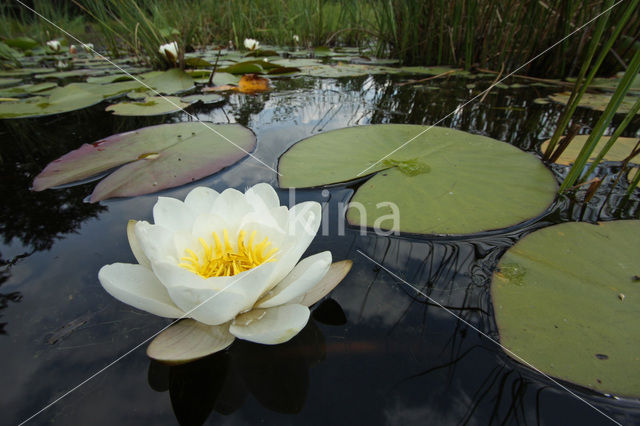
x=207 y=99
x=618 y=152
x=444 y=181
x=151 y=105
x=22 y=43
x=168 y=82
x=597 y=101
x=345 y=70
x=154 y=158
x=61 y=99
x=566 y=301
x=5 y=82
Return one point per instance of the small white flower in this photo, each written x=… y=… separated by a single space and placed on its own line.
x=251 y=44
x=296 y=39
x=230 y=260
x=170 y=51
x=88 y=47
x=54 y=45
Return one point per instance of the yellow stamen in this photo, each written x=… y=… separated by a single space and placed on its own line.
x=222 y=260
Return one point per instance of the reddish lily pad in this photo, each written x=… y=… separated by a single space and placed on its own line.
x=152 y=158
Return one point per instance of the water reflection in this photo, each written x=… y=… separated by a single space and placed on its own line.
x=277 y=377
x=398 y=359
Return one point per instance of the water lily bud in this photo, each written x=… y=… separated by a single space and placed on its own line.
x=72 y=49
x=296 y=39
x=54 y=45
x=251 y=44
x=170 y=51
x=88 y=47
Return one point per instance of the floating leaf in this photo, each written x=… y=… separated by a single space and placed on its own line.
x=61 y=99
x=205 y=99
x=169 y=82
x=596 y=101
x=563 y=312
x=618 y=152
x=22 y=43
x=444 y=181
x=189 y=340
x=197 y=63
x=151 y=105
x=432 y=70
x=283 y=71
x=345 y=70
x=158 y=157
x=5 y=82
x=259 y=53
x=250 y=67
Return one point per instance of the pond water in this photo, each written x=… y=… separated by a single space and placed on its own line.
x=375 y=353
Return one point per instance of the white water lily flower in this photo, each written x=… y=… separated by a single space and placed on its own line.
x=54 y=45
x=229 y=260
x=296 y=39
x=251 y=44
x=169 y=51
x=88 y=47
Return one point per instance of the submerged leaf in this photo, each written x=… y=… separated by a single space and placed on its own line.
x=154 y=158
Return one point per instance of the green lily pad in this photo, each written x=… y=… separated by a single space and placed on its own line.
x=169 y=82
x=444 y=181
x=22 y=43
x=153 y=158
x=61 y=99
x=565 y=301
x=249 y=67
x=5 y=82
x=429 y=70
x=208 y=99
x=195 y=62
x=618 y=152
x=597 y=101
x=113 y=78
x=345 y=70
x=633 y=174
x=222 y=78
x=151 y=105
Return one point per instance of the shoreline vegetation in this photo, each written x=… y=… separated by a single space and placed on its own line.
x=470 y=34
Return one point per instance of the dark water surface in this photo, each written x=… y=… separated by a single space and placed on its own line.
x=376 y=353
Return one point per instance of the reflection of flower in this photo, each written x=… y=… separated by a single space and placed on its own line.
x=251 y=44
x=228 y=260
x=169 y=51
x=54 y=45
x=276 y=376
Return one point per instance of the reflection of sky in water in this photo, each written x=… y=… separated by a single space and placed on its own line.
x=398 y=359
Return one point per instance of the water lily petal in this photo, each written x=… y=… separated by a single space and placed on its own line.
x=262 y=197
x=304 y=276
x=208 y=305
x=137 y=286
x=136 y=248
x=222 y=298
x=201 y=199
x=155 y=241
x=304 y=221
x=173 y=214
x=230 y=203
x=206 y=224
x=272 y=325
